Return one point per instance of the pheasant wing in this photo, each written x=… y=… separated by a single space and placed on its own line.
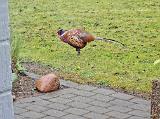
x=76 y=42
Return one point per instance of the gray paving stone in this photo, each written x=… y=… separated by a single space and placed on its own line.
x=48 y=96
x=68 y=95
x=86 y=87
x=62 y=92
x=141 y=107
x=141 y=101
x=68 y=83
x=55 y=113
x=76 y=111
x=135 y=117
x=101 y=97
x=98 y=109
x=33 y=115
x=120 y=109
x=82 y=99
x=16 y=102
x=78 y=104
x=36 y=108
x=19 y=117
x=140 y=113
x=30 y=100
x=31 y=118
x=49 y=117
x=71 y=116
x=118 y=115
x=18 y=110
x=60 y=100
x=92 y=115
x=100 y=104
x=120 y=102
x=22 y=105
x=83 y=93
x=42 y=102
x=58 y=106
x=104 y=91
x=122 y=96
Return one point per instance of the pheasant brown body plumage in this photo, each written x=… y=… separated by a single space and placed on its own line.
x=79 y=38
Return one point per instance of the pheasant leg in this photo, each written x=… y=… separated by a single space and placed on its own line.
x=78 y=51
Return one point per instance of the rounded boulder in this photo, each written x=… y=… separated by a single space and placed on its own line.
x=47 y=83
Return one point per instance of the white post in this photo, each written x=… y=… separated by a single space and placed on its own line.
x=6 y=103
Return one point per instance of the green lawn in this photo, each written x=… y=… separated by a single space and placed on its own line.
x=136 y=23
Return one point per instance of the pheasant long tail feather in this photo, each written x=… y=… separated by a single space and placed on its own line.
x=109 y=40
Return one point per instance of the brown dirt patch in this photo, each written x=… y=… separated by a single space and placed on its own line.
x=24 y=87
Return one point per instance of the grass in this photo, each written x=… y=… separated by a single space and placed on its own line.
x=135 y=23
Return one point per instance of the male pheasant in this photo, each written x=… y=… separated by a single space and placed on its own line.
x=79 y=38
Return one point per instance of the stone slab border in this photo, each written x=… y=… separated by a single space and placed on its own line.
x=6 y=102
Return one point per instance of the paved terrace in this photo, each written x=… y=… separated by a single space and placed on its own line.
x=82 y=102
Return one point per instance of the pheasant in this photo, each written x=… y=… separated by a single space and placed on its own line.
x=79 y=38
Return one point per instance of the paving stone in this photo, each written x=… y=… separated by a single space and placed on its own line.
x=22 y=105
x=78 y=104
x=48 y=96
x=86 y=87
x=36 y=108
x=58 y=106
x=101 y=97
x=33 y=115
x=55 y=113
x=16 y=102
x=49 y=117
x=118 y=115
x=60 y=100
x=42 y=102
x=140 y=113
x=30 y=100
x=100 y=104
x=82 y=99
x=141 y=107
x=98 y=109
x=141 y=101
x=68 y=95
x=76 y=111
x=92 y=115
x=122 y=96
x=120 y=109
x=71 y=116
x=120 y=102
x=83 y=93
x=61 y=92
x=18 y=110
x=104 y=91
x=68 y=83
x=135 y=117
x=19 y=117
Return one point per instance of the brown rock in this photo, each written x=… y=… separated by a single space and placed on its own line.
x=47 y=83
